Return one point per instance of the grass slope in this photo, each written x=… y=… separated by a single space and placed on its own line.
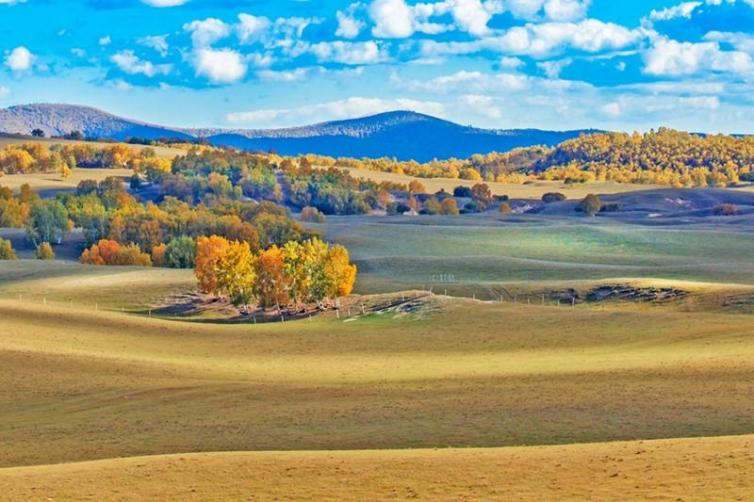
x=487 y=254
x=687 y=469
x=79 y=384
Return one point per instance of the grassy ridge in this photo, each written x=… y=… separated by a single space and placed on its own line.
x=688 y=469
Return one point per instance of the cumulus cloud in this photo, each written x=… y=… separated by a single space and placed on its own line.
x=333 y=110
x=220 y=66
x=20 y=59
x=544 y=39
x=672 y=58
x=392 y=19
x=349 y=53
x=207 y=31
x=133 y=65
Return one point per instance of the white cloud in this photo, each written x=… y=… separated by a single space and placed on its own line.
x=334 y=110
x=468 y=81
x=348 y=25
x=673 y=58
x=11 y=2
x=545 y=39
x=220 y=66
x=156 y=42
x=4 y=91
x=681 y=10
x=511 y=63
x=350 y=53
x=20 y=59
x=392 y=18
x=251 y=28
x=165 y=3
x=106 y=40
x=206 y=32
x=133 y=65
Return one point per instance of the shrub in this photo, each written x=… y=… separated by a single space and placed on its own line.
x=551 y=197
x=108 y=252
x=450 y=207
x=505 y=208
x=45 y=252
x=725 y=210
x=312 y=215
x=590 y=206
x=432 y=206
x=6 y=250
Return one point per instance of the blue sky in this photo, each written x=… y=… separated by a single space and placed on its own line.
x=555 y=64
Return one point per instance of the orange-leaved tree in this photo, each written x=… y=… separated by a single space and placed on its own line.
x=209 y=251
x=272 y=282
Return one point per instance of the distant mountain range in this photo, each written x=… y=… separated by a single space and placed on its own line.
x=401 y=134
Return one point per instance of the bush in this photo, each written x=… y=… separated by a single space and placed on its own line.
x=505 y=208
x=450 y=207
x=432 y=206
x=45 y=252
x=725 y=210
x=312 y=215
x=6 y=250
x=462 y=191
x=416 y=187
x=551 y=197
x=590 y=206
x=108 y=252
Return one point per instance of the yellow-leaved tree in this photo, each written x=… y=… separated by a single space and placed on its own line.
x=209 y=251
x=236 y=274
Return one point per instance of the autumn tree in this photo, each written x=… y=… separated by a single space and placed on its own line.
x=272 y=282
x=209 y=252
x=481 y=195
x=45 y=252
x=236 y=275
x=340 y=274
x=6 y=250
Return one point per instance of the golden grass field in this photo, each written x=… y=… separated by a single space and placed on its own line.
x=53 y=182
x=489 y=384
x=679 y=469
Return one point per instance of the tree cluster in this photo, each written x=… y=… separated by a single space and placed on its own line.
x=296 y=273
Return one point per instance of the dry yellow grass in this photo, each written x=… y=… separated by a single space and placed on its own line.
x=680 y=469
x=53 y=182
x=533 y=190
